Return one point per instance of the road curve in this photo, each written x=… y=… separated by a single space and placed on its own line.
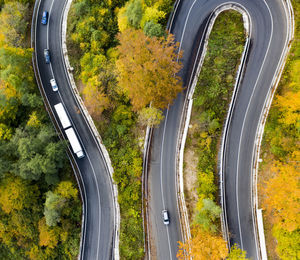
x=269 y=39
x=93 y=176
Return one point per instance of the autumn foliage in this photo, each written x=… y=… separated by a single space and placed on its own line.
x=203 y=245
x=148 y=69
x=280 y=168
x=284 y=184
x=33 y=161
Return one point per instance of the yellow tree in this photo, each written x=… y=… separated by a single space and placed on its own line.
x=283 y=193
x=95 y=99
x=47 y=236
x=16 y=194
x=203 y=245
x=289 y=105
x=148 y=69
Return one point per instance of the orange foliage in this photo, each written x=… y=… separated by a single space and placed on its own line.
x=203 y=245
x=283 y=193
x=48 y=236
x=147 y=69
x=95 y=99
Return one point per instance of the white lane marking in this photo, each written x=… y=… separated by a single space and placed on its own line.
x=47 y=43
x=242 y=130
x=161 y=181
x=93 y=170
x=281 y=60
x=48 y=23
x=91 y=131
x=71 y=153
x=96 y=180
x=184 y=27
x=181 y=40
x=74 y=126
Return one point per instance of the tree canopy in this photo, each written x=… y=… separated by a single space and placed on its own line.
x=148 y=69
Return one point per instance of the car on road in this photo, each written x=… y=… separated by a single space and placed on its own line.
x=47 y=55
x=166 y=217
x=53 y=85
x=45 y=17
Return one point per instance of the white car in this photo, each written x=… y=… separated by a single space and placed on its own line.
x=53 y=84
x=166 y=217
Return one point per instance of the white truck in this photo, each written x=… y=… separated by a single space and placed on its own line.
x=62 y=115
x=76 y=147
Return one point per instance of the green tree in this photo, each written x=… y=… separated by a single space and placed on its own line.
x=134 y=13
x=150 y=116
x=37 y=152
x=207 y=215
x=152 y=29
x=53 y=206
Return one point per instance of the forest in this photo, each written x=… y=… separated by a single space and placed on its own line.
x=40 y=208
x=125 y=62
x=279 y=171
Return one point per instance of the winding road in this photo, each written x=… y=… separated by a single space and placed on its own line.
x=98 y=226
x=269 y=41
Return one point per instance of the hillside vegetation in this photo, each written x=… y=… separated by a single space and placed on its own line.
x=40 y=209
x=211 y=101
x=280 y=170
x=127 y=63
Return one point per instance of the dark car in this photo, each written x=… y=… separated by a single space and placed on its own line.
x=47 y=55
x=45 y=17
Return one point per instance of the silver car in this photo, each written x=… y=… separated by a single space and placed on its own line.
x=53 y=84
x=166 y=217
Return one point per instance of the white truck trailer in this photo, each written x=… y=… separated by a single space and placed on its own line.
x=76 y=147
x=62 y=115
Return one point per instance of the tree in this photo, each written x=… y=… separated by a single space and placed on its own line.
x=53 y=206
x=148 y=69
x=289 y=105
x=13 y=23
x=236 y=253
x=288 y=246
x=67 y=190
x=17 y=194
x=150 y=116
x=152 y=14
x=36 y=152
x=95 y=99
x=134 y=13
x=282 y=195
x=207 y=215
x=203 y=245
x=47 y=236
x=152 y=29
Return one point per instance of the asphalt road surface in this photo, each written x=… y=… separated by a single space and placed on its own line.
x=268 y=40
x=98 y=226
